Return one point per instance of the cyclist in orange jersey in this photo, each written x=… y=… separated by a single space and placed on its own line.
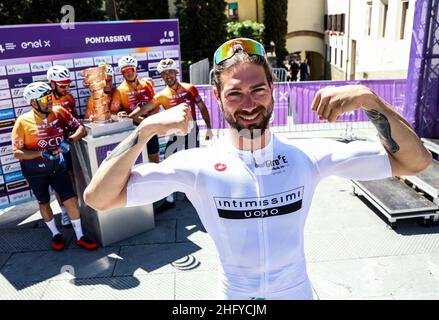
x=39 y=142
x=59 y=78
x=131 y=94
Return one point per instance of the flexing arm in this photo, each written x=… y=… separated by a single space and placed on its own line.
x=407 y=154
x=108 y=187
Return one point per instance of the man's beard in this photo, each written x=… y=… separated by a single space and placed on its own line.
x=38 y=110
x=171 y=83
x=59 y=94
x=253 y=131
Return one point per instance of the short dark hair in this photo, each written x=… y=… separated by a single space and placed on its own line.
x=240 y=57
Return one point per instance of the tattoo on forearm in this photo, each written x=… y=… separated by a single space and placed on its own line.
x=383 y=126
x=122 y=147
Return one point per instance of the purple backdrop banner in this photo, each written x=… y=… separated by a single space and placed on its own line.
x=302 y=95
x=47 y=39
x=28 y=51
x=299 y=95
x=216 y=116
x=423 y=78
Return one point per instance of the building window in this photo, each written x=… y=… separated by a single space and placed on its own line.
x=341 y=58
x=369 y=17
x=385 y=9
x=333 y=22
x=405 y=8
x=233 y=9
x=340 y=23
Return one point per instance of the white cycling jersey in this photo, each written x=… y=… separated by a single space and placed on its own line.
x=254 y=204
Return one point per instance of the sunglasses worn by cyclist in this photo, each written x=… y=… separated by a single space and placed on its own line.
x=46 y=98
x=63 y=86
x=229 y=48
x=128 y=69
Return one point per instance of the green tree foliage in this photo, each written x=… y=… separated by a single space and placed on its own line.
x=135 y=9
x=245 y=29
x=47 y=11
x=202 y=27
x=276 y=26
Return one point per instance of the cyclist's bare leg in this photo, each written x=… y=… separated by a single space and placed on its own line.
x=46 y=211
x=72 y=208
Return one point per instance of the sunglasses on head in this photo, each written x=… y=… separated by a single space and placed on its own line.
x=229 y=48
x=128 y=69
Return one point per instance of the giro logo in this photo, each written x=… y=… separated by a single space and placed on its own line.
x=220 y=167
x=278 y=163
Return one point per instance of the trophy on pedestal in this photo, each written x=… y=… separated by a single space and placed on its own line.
x=100 y=120
x=94 y=78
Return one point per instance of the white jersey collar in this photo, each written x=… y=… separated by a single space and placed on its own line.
x=259 y=154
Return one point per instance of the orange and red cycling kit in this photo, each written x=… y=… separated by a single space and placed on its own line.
x=185 y=92
x=67 y=102
x=130 y=98
x=30 y=132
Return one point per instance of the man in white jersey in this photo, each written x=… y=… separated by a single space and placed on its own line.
x=251 y=189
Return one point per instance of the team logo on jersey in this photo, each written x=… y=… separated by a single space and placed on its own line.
x=42 y=144
x=52 y=142
x=260 y=207
x=220 y=167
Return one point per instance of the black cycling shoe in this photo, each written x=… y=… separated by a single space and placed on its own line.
x=86 y=243
x=58 y=242
x=165 y=206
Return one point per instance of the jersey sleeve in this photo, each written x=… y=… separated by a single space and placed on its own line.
x=160 y=100
x=72 y=105
x=195 y=94
x=362 y=160
x=17 y=135
x=151 y=182
x=149 y=90
x=71 y=122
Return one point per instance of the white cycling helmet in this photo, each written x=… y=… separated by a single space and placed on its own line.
x=127 y=61
x=109 y=69
x=36 y=90
x=167 y=64
x=58 y=74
